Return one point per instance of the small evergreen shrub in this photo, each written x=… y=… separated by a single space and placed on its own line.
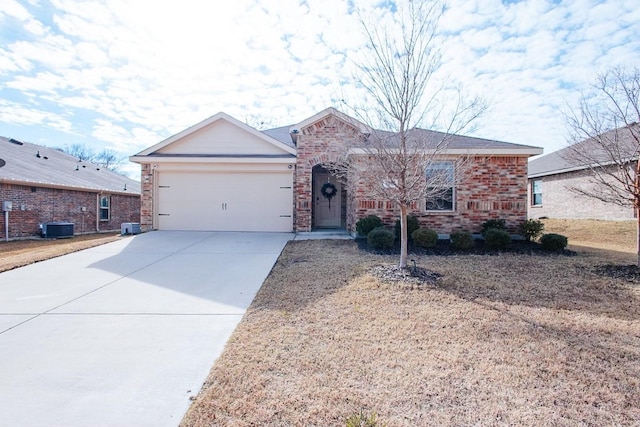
x=425 y=237
x=498 y=224
x=380 y=238
x=365 y=225
x=412 y=225
x=461 y=240
x=554 y=242
x=531 y=229
x=497 y=239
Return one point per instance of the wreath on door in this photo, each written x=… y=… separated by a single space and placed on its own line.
x=328 y=191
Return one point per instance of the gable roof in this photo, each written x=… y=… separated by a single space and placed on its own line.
x=39 y=166
x=330 y=112
x=563 y=161
x=156 y=150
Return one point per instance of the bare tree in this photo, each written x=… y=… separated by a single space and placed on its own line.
x=406 y=164
x=107 y=159
x=606 y=140
x=79 y=151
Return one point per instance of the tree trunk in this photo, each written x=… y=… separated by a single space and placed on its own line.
x=403 y=235
x=638 y=237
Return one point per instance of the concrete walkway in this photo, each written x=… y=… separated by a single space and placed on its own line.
x=125 y=333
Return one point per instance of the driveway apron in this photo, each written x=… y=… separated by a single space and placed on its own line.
x=125 y=333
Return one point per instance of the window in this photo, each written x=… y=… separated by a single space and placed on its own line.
x=440 y=186
x=105 y=208
x=536 y=192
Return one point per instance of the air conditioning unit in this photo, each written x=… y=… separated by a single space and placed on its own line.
x=56 y=230
x=130 y=228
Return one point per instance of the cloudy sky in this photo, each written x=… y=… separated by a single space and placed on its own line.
x=123 y=74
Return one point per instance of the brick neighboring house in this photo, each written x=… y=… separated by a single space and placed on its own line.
x=222 y=174
x=46 y=185
x=552 y=177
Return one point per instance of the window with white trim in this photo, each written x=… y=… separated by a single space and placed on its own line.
x=440 y=178
x=105 y=208
x=536 y=192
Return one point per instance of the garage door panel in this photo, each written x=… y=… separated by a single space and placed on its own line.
x=225 y=201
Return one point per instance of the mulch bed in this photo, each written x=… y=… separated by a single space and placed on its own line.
x=445 y=248
x=630 y=273
x=411 y=275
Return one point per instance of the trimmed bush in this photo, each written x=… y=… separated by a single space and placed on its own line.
x=554 y=242
x=531 y=229
x=498 y=224
x=380 y=238
x=412 y=225
x=365 y=225
x=425 y=237
x=461 y=240
x=497 y=239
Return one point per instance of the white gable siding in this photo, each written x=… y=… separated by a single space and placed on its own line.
x=221 y=137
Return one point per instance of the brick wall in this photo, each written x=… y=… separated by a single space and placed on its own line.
x=35 y=205
x=494 y=187
x=559 y=202
x=146 y=202
x=319 y=144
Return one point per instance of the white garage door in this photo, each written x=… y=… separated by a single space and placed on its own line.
x=225 y=201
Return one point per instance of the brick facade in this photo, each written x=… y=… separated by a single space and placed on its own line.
x=322 y=143
x=496 y=186
x=559 y=202
x=146 y=201
x=35 y=205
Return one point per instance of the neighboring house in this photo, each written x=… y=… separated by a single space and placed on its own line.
x=45 y=185
x=222 y=174
x=553 y=180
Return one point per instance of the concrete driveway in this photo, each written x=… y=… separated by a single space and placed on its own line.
x=125 y=333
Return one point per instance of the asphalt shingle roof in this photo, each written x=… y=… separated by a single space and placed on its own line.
x=31 y=164
x=458 y=142
x=562 y=160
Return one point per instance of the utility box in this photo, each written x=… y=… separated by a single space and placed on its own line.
x=7 y=206
x=56 y=230
x=130 y=228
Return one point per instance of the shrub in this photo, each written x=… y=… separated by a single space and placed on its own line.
x=498 y=224
x=498 y=239
x=462 y=240
x=554 y=242
x=365 y=225
x=412 y=225
x=363 y=420
x=531 y=229
x=425 y=237
x=380 y=238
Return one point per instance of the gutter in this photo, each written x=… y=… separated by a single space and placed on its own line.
x=65 y=187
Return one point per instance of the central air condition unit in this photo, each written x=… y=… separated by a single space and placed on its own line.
x=56 y=230
x=130 y=228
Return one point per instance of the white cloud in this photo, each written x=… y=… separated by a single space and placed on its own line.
x=149 y=69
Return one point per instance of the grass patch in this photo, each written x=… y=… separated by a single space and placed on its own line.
x=18 y=253
x=609 y=235
x=514 y=339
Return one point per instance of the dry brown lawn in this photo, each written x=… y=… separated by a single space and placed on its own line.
x=525 y=340
x=617 y=236
x=18 y=253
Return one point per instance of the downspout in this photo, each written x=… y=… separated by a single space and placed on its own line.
x=6 y=225
x=97 y=212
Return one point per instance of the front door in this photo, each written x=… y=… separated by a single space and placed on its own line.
x=327 y=200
